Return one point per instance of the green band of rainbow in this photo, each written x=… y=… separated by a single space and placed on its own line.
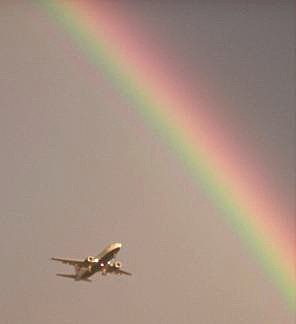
x=183 y=121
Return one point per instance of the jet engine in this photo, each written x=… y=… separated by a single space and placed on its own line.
x=118 y=264
x=90 y=259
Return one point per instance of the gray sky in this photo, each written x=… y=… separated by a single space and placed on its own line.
x=79 y=169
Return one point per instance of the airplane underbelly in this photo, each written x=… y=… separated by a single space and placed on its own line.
x=82 y=273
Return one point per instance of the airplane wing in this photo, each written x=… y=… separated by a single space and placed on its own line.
x=70 y=261
x=118 y=271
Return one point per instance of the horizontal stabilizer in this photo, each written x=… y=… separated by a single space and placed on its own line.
x=71 y=276
x=66 y=275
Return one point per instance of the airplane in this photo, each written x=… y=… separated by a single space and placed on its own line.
x=104 y=262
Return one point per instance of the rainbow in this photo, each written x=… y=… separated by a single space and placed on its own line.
x=183 y=120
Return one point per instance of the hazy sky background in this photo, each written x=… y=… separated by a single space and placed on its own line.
x=80 y=169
